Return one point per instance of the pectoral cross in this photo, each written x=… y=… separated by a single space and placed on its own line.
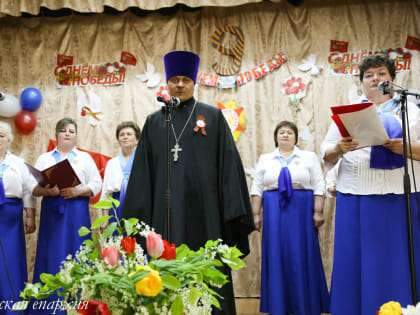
x=175 y=150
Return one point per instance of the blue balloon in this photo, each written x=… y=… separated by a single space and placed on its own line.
x=30 y=99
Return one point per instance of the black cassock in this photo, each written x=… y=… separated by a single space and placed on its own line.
x=210 y=198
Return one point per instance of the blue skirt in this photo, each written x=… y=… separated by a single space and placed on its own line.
x=58 y=237
x=371 y=258
x=292 y=274
x=12 y=236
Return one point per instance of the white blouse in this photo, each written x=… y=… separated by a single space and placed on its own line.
x=355 y=175
x=17 y=180
x=305 y=171
x=83 y=165
x=113 y=178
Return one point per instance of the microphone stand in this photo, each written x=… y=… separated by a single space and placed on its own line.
x=407 y=191
x=167 y=111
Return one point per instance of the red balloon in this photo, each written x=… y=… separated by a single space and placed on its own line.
x=25 y=121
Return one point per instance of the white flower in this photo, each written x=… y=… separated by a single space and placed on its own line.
x=411 y=310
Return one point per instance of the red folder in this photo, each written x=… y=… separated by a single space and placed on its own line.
x=343 y=109
x=60 y=174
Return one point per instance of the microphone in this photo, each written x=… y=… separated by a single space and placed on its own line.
x=172 y=102
x=1 y=96
x=383 y=86
x=387 y=87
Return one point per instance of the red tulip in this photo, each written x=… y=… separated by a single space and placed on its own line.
x=93 y=308
x=128 y=244
x=154 y=244
x=110 y=256
x=170 y=251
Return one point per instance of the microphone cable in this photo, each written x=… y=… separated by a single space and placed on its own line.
x=7 y=272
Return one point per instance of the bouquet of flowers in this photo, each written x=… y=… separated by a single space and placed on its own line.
x=394 y=308
x=113 y=275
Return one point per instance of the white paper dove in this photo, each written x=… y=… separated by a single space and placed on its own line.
x=152 y=77
x=90 y=108
x=309 y=64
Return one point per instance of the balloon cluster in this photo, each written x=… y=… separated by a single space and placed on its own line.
x=30 y=100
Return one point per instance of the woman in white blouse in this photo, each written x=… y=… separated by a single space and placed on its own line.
x=118 y=169
x=289 y=184
x=63 y=211
x=15 y=197
x=371 y=261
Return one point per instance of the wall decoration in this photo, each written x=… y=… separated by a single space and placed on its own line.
x=234 y=117
x=412 y=43
x=348 y=63
x=25 y=121
x=295 y=89
x=153 y=78
x=128 y=58
x=30 y=99
x=9 y=105
x=340 y=46
x=224 y=82
x=163 y=91
x=107 y=73
x=90 y=108
x=236 y=52
x=309 y=64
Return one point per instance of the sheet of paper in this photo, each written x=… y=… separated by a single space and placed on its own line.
x=365 y=126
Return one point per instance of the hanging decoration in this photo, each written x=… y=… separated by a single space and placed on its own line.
x=309 y=64
x=128 y=58
x=348 y=63
x=412 y=43
x=102 y=74
x=90 y=108
x=9 y=105
x=257 y=72
x=340 y=46
x=150 y=76
x=30 y=99
x=25 y=121
x=236 y=52
x=162 y=91
x=295 y=89
x=234 y=117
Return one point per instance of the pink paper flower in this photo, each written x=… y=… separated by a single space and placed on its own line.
x=110 y=256
x=154 y=244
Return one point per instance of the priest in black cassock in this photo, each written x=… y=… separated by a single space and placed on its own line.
x=209 y=194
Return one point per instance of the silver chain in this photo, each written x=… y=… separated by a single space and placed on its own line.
x=182 y=131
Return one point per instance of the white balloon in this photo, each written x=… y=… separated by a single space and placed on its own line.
x=9 y=106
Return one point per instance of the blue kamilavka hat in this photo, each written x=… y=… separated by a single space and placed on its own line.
x=181 y=62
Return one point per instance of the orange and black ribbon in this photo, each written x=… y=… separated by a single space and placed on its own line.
x=237 y=51
x=201 y=124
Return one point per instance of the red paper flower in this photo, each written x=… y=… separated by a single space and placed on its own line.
x=93 y=308
x=128 y=244
x=110 y=256
x=170 y=251
x=154 y=244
